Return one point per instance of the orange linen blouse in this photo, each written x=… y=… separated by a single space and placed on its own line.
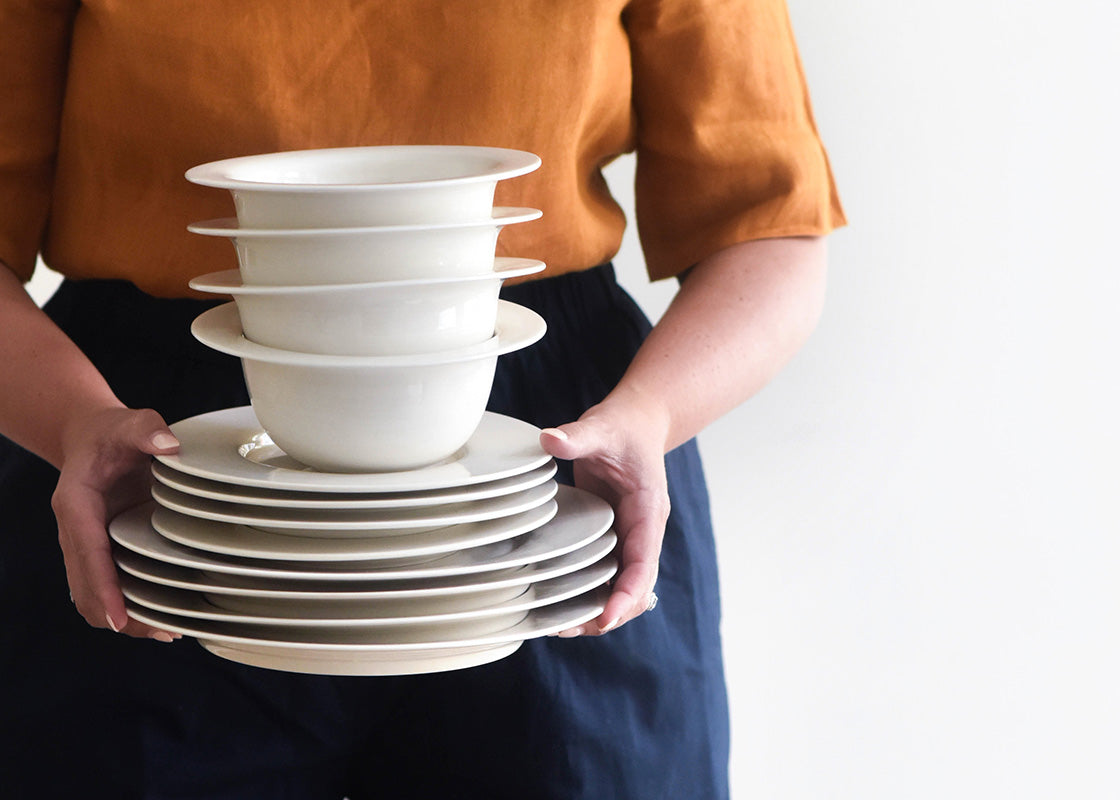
x=104 y=104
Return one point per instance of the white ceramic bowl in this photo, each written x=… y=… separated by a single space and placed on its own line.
x=369 y=413
x=371 y=319
x=315 y=256
x=355 y=186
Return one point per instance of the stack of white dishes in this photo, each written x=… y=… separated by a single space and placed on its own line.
x=365 y=515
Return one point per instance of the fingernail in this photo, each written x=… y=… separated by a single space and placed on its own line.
x=559 y=434
x=164 y=441
x=571 y=633
x=610 y=626
x=163 y=636
x=113 y=625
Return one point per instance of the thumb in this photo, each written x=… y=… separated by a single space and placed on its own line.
x=151 y=435
x=572 y=441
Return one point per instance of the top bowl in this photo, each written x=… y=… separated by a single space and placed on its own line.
x=362 y=186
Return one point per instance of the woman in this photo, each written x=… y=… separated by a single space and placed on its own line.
x=105 y=107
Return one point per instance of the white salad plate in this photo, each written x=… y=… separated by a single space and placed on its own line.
x=354 y=523
x=358 y=652
x=230 y=446
x=280 y=498
x=368 y=613
x=581 y=521
x=247 y=542
x=252 y=595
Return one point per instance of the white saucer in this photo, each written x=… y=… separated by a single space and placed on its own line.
x=269 y=498
x=230 y=446
x=364 y=613
x=331 y=652
x=353 y=523
x=246 y=542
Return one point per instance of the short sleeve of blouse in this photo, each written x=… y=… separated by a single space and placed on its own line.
x=32 y=82
x=727 y=148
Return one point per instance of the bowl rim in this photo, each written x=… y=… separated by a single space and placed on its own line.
x=508 y=163
x=220 y=329
x=230 y=282
x=229 y=227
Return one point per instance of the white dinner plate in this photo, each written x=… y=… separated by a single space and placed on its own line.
x=246 y=542
x=364 y=613
x=431 y=595
x=230 y=446
x=353 y=523
x=274 y=498
x=349 y=652
x=582 y=518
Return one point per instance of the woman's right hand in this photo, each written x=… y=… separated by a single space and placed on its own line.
x=106 y=469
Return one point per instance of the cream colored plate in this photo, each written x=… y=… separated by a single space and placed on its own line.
x=354 y=523
x=275 y=498
x=230 y=446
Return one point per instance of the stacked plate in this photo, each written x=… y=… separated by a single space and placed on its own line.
x=272 y=564
x=365 y=516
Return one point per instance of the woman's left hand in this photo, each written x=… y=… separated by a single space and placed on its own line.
x=618 y=450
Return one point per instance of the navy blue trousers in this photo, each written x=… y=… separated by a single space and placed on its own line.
x=639 y=713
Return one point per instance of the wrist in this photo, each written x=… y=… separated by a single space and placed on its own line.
x=631 y=407
x=82 y=419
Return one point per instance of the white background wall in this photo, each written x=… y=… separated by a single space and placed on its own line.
x=918 y=520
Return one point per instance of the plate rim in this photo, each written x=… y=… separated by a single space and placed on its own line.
x=178 y=481
x=240 y=425
x=439 y=541
x=388 y=521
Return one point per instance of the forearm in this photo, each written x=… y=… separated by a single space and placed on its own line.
x=46 y=383
x=739 y=317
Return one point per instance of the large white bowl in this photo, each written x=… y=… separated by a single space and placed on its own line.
x=313 y=256
x=369 y=413
x=371 y=319
x=354 y=186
